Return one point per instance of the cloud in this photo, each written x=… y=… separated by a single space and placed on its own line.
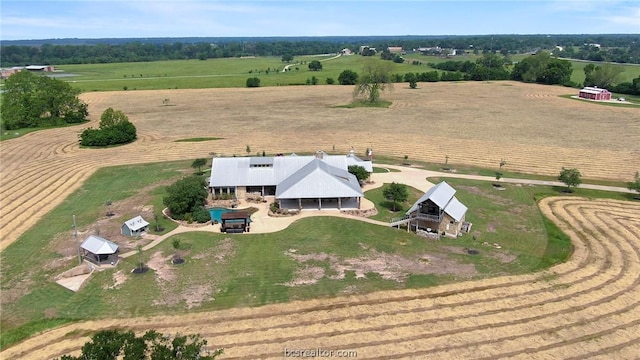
x=47 y=22
x=631 y=17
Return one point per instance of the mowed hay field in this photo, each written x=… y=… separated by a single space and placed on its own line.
x=474 y=123
x=586 y=308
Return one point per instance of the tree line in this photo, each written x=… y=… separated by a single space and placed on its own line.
x=616 y=48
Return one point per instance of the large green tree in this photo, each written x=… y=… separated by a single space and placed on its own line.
x=359 y=172
x=185 y=198
x=570 y=177
x=375 y=78
x=542 y=68
x=315 y=65
x=348 y=77
x=635 y=184
x=31 y=100
x=117 y=344
x=198 y=164
x=603 y=76
x=396 y=193
x=111 y=117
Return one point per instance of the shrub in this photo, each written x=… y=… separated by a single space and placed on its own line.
x=274 y=207
x=201 y=215
x=253 y=82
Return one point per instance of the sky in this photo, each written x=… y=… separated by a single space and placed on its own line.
x=30 y=19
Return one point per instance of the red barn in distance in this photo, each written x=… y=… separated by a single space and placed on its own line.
x=595 y=93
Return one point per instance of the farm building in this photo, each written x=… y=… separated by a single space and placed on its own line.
x=134 y=227
x=396 y=50
x=6 y=72
x=99 y=250
x=595 y=93
x=319 y=182
x=438 y=210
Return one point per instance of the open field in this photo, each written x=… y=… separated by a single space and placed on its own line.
x=587 y=307
x=233 y=72
x=473 y=123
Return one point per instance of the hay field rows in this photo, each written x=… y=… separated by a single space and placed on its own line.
x=588 y=307
x=473 y=123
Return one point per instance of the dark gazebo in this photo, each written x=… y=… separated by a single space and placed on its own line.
x=234 y=222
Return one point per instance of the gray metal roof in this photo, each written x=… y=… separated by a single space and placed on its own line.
x=237 y=171
x=455 y=209
x=136 y=223
x=99 y=246
x=260 y=161
x=440 y=194
x=318 y=179
x=354 y=160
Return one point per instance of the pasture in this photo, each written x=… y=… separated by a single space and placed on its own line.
x=233 y=72
x=476 y=124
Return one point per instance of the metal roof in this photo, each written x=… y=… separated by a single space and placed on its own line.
x=354 y=160
x=237 y=171
x=99 y=246
x=253 y=161
x=593 y=90
x=136 y=223
x=440 y=195
x=318 y=179
x=455 y=209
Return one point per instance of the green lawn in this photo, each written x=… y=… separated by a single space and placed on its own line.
x=385 y=207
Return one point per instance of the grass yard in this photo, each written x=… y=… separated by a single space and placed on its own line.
x=46 y=250
x=314 y=257
x=385 y=207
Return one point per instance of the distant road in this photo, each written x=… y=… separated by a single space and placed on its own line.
x=599 y=62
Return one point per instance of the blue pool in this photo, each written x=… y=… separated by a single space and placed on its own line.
x=216 y=213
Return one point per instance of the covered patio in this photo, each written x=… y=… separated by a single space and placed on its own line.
x=99 y=250
x=235 y=222
x=346 y=203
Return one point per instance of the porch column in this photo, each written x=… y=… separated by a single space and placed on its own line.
x=319 y=204
x=262 y=190
x=299 y=203
x=339 y=203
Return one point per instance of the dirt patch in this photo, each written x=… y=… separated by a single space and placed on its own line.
x=477 y=191
x=192 y=296
x=119 y=278
x=160 y=265
x=387 y=266
x=307 y=276
x=221 y=253
x=503 y=257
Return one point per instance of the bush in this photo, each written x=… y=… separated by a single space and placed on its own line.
x=348 y=77
x=253 y=82
x=201 y=215
x=114 y=129
x=186 y=196
x=274 y=207
x=117 y=134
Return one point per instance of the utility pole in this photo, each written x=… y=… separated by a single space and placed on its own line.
x=75 y=234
